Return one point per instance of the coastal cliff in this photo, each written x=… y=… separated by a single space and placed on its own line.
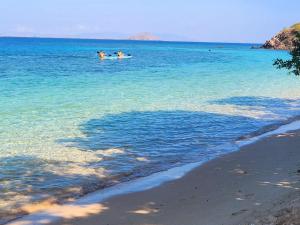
x=284 y=39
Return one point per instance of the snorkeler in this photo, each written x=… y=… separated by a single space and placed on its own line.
x=101 y=55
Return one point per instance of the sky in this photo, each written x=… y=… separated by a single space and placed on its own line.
x=246 y=21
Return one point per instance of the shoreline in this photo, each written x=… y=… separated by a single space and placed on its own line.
x=141 y=185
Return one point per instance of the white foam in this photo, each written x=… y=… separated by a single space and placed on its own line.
x=295 y=125
x=137 y=185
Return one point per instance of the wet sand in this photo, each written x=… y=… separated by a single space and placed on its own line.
x=260 y=184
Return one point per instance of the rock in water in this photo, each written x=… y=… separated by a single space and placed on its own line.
x=284 y=39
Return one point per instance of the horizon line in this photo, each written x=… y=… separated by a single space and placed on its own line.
x=120 y=39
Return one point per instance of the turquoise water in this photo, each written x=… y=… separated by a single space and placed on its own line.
x=71 y=124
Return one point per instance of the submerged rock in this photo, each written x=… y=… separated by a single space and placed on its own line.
x=284 y=40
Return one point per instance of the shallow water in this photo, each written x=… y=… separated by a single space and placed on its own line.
x=71 y=124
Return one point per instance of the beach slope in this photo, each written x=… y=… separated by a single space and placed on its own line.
x=257 y=185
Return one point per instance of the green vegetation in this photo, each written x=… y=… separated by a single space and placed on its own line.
x=292 y=65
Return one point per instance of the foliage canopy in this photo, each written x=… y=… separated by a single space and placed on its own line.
x=293 y=65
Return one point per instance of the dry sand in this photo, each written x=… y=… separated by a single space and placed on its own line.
x=258 y=185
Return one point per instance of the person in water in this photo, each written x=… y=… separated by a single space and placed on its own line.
x=120 y=54
x=101 y=55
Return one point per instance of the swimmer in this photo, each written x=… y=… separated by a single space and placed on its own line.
x=120 y=54
x=101 y=55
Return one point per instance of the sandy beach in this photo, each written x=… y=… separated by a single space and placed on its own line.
x=257 y=185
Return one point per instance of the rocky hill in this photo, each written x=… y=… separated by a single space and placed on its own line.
x=284 y=39
x=144 y=37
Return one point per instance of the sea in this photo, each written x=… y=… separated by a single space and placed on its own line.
x=71 y=124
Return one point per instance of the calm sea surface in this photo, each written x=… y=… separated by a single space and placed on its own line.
x=71 y=124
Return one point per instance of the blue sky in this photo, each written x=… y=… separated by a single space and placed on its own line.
x=196 y=20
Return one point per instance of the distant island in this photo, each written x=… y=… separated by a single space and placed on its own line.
x=146 y=36
x=284 y=39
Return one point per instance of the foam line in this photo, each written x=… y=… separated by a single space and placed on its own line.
x=295 y=125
